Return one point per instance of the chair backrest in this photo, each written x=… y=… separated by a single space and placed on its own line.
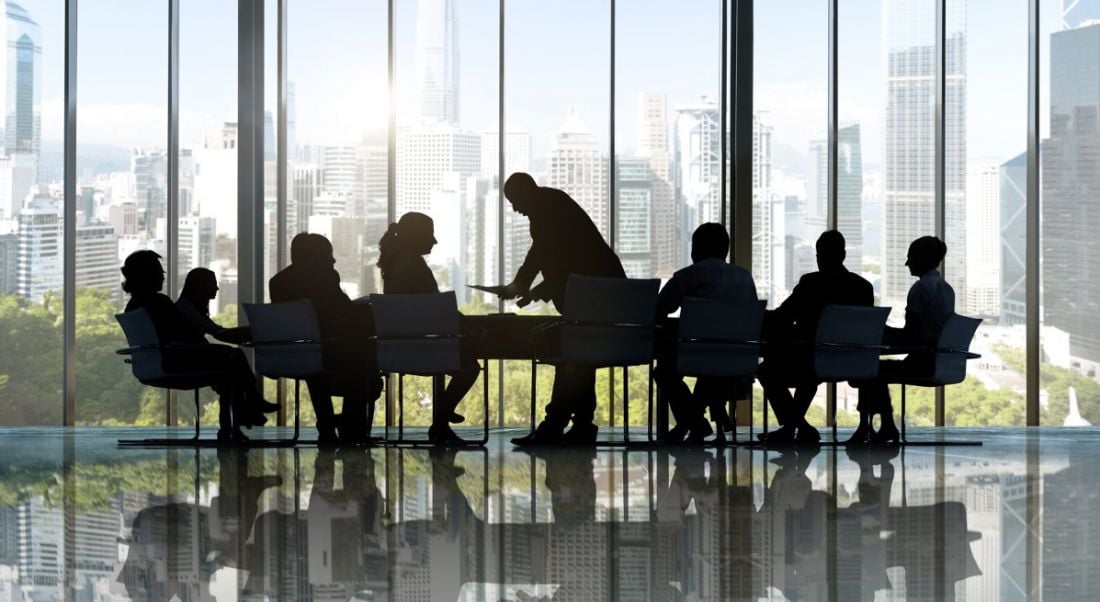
x=841 y=332
x=286 y=337
x=952 y=349
x=146 y=360
x=609 y=321
x=719 y=337
x=417 y=334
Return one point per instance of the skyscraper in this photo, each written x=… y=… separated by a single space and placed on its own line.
x=909 y=154
x=22 y=107
x=1071 y=190
x=425 y=154
x=635 y=187
x=40 y=240
x=849 y=190
x=983 y=240
x=654 y=146
x=436 y=61
x=1013 y=176
x=576 y=165
x=697 y=139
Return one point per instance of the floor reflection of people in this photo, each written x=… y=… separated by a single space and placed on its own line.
x=175 y=549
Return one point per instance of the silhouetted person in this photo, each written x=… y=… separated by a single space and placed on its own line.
x=401 y=254
x=709 y=276
x=199 y=288
x=564 y=241
x=211 y=538
x=791 y=328
x=930 y=303
x=349 y=359
x=144 y=281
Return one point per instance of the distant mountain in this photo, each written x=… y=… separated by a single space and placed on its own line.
x=789 y=160
x=93 y=158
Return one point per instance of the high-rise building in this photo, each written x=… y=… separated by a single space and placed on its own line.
x=40 y=241
x=517 y=153
x=849 y=190
x=909 y=155
x=97 y=258
x=1071 y=190
x=124 y=217
x=983 y=240
x=576 y=165
x=697 y=143
x=22 y=107
x=17 y=176
x=343 y=174
x=9 y=263
x=768 y=218
x=425 y=154
x=655 y=146
x=150 y=169
x=305 y=185
x=346 y=235
x=1013 y=176
x=436 y=61
x=634 y=218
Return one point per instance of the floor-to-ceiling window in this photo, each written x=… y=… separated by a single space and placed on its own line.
x=31 y=215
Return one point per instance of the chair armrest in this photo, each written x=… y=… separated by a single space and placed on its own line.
x=164 y=347
x=419 y=337
x=713 y=341
x=963 y=352
x=284 y=342
x=851 y=347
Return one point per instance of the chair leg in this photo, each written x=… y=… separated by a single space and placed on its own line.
x=649 y=406
x=297 y=408
x=485 y=398
x=835 y=439
x=400 y=406
x=198 y=416
x=765 y=415
x=534 y=391
x=626 y=403
x=903 y=413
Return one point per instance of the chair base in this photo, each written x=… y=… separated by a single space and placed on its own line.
x=401 y=441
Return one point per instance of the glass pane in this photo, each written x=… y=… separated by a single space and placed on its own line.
x=1070 y=394
x=31 y=172
x=336 y=132
x=123 y=176
x=790 y=157
x=666 y=132
x=986 y=178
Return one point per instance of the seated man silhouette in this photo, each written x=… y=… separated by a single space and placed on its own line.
x=930 y=303
x=709 y=276
x=790 y=328
x=401 y=252
x=349 y=360
x=564 y=241
x=241 y=404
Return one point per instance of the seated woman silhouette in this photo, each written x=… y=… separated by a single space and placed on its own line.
x=930 y=303
x=144 y=280
x=401 y=252
x=199 y=289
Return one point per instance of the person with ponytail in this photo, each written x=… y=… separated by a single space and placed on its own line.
x=401 y=252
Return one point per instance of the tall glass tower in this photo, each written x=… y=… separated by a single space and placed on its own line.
x=22 y=106
x=436 y=61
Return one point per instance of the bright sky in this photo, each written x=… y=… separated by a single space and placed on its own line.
x=557 y=57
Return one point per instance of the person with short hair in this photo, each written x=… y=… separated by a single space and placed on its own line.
x=564 y=241
x=709 y=276
x=349 y=360
x=931 y=301
x=790 y=330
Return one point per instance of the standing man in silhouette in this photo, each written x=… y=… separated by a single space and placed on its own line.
x=709 y=276
x=564 y=241
x=348 y=358
x=789 y=327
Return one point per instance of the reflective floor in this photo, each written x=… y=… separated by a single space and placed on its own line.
x=1016 y=519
